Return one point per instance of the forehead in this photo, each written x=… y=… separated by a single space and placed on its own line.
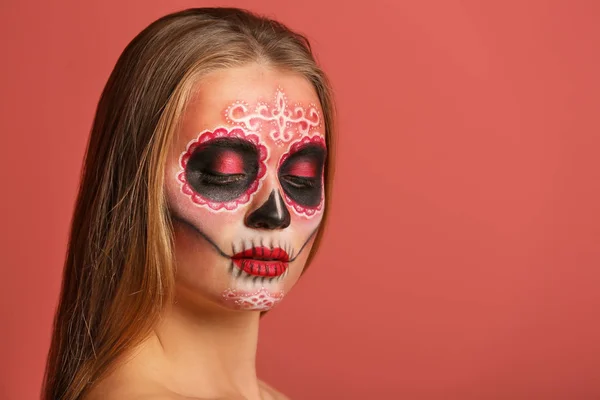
x=214 y=93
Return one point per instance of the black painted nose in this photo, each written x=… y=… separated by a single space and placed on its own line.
x=271 y=215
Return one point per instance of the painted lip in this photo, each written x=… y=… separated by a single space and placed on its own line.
x=262 y=261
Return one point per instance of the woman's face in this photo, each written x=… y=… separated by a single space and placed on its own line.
x=244 y=184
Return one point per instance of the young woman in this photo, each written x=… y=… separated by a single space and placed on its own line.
x=201 y=203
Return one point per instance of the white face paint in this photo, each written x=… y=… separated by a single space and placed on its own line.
x=244 y=183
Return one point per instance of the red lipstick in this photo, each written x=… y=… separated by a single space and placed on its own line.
x=262 y=261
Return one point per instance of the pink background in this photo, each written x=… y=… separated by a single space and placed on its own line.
x=462 y=260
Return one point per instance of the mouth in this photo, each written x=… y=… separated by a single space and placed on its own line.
x=262 y=261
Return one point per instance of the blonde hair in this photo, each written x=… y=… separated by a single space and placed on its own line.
x=118 y=273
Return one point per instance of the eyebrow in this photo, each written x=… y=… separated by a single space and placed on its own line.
x=226 y=142
x=310 y=149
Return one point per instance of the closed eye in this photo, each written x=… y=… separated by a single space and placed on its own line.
x=300 y=181
x=215 y=178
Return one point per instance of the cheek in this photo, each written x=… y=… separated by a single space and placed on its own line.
x=306 y=224
x=303 y=231
x=209 y=221
x=299 y=263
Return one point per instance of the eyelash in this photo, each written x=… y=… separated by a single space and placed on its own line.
x=300 y=182
x=212 y=178
x=215 y=178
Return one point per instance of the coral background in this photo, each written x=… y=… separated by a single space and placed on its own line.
x=462 y=259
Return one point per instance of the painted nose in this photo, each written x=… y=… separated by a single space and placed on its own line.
x=273 y=214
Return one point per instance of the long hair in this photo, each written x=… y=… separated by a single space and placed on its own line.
x=119 y=272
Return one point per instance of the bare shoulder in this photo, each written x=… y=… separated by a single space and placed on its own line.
x=132 y=392
x=123 y=386
x=269 y=393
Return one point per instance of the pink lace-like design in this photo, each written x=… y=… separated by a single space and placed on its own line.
x=259 y=300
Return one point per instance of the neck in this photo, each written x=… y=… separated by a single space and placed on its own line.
x=205 y=350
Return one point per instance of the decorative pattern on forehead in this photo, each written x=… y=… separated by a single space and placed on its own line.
x=206 y=137
x=305 y=169
x=284 y=123
x=260 y=300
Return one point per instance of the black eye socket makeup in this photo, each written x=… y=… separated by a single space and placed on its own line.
x=301 y=175
x=222 y=169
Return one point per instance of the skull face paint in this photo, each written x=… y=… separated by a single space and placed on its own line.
x=246 y=190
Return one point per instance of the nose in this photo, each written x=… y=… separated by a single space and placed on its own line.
x=273 y=214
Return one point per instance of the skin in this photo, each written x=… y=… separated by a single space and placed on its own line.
x=205 y=345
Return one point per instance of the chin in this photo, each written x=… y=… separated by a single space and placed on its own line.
x=253 y=291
